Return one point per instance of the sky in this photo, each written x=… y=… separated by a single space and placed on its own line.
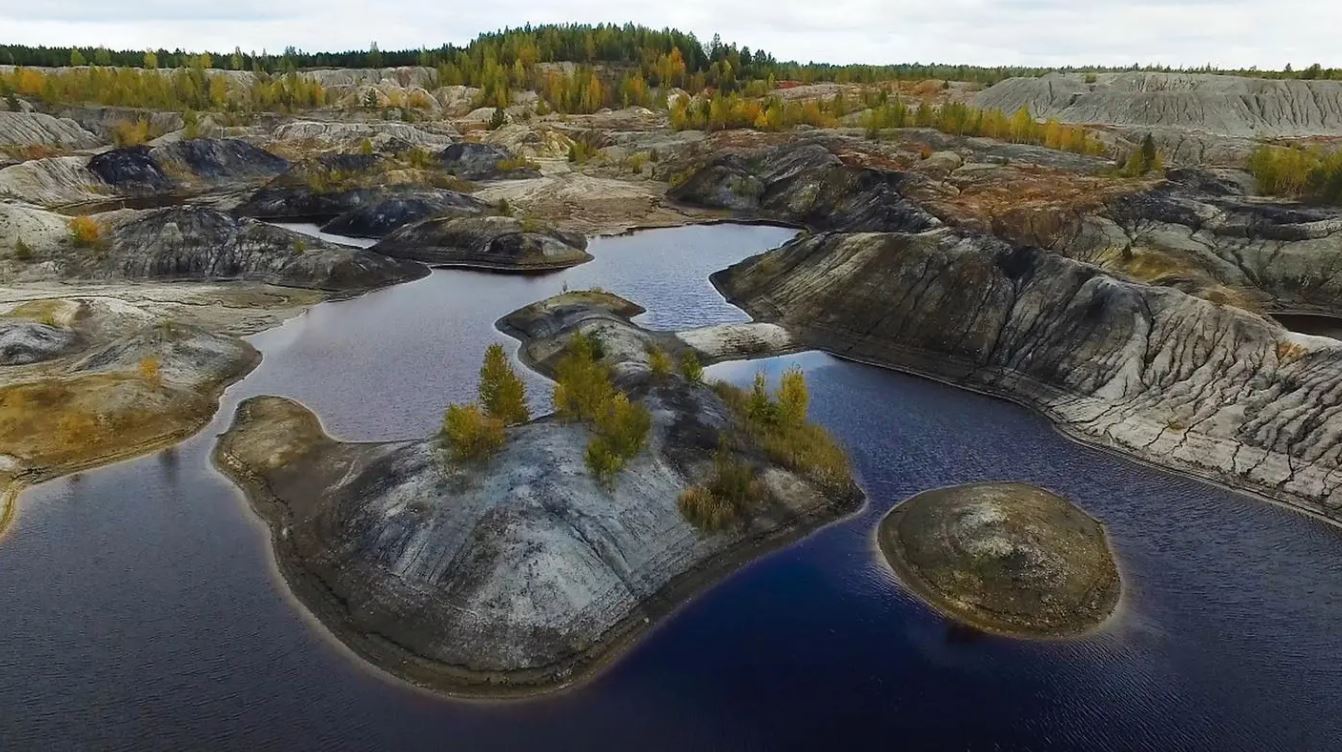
x=1225 y=33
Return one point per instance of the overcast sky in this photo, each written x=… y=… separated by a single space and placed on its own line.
x=1228 y=33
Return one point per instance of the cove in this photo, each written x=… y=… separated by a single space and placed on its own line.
x=140 y=608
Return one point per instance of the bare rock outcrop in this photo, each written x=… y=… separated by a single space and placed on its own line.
x=350 y=136
x=486 y=242
x=1223 y=105
x=197 y=243
x=23 y=342
x=807 y=184
x=521 y=572
x=472 y=161
x=1171 y=378
x=39 y=129
x=180 y=167
x=365 y=212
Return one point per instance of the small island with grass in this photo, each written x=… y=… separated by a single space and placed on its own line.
x=1006 y=558
x=510 y=554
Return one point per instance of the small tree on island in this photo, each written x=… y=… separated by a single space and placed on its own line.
x=502 y=392
x=476 y=430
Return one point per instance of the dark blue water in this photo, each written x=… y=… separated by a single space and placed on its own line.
x=140 y=609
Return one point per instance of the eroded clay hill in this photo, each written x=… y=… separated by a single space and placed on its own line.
x=1224 y=105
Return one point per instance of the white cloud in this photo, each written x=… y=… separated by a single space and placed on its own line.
x=986 y=32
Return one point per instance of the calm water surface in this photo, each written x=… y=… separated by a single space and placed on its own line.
x=1304 y=323
x=140 y=609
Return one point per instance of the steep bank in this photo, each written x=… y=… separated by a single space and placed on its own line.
x=1170 y=378
x=522 y=572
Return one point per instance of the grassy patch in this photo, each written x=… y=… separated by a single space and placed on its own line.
x=50 y=424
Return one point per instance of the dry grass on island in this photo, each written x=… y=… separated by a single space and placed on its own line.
x=1005 y=558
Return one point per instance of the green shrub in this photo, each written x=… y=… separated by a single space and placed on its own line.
x=471 y=433
x=582 y=382
x=690 y=367
x=581 y=151
x=1298 y=173
x=128 y=133
x=22 y=251
x=300 y=246
x=624 y=425
x=780 y=428
x=602 y=459
x=512 y=164
x=659 y=361
x=420 y=159
x=1144 y=160
x=705 y=511
x=584 y=392
x=502 y=393
x=725 y=498
x=85 y=232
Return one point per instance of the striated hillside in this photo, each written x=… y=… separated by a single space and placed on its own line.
x=1223 y=105
x=1157 y=373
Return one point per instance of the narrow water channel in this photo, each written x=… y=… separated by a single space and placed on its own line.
x=140 y=607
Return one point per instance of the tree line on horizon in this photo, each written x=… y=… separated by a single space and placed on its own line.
x=720 y=64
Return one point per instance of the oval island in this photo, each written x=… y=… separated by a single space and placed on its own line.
x=1007 y=558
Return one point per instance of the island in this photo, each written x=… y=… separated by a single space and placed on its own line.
x=1006 y=558
x=512 y=555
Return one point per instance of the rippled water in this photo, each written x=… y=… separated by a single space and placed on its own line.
x=140 y=609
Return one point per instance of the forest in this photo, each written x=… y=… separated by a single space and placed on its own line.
x=612 y=44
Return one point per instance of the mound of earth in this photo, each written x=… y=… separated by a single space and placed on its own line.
x=807 y=184
x=148 y=388
x=494 y=243
x=197 y=243
x=23 y=342
x=472 y=161
x=1003 y=557
x=23 y=129
x=365 y=212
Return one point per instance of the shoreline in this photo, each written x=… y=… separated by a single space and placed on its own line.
x=13 y=491
x=1291 y=502
x=463 y=683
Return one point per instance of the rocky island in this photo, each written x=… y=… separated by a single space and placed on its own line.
x=527 y=569
x=1003 y=557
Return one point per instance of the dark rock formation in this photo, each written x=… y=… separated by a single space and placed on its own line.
x=496 y=243
x=397 y=208
x=809 y=185
x=366 y=212
x=300 y=202
x=218 y=160
x=184 y=164
x=1168 y=377
x=521 y=572
x=196 y=243
x=472 y=161
x=23 y=342
x=1004 y=557
x=131 y=169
